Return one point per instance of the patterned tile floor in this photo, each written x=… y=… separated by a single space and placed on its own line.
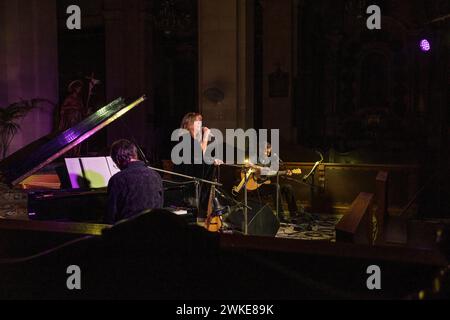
x=311 y=227
x=13 y=204
x=11 y=211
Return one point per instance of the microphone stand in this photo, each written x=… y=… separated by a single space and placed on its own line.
x=312 y=185
x=245 y=205
x=194 y=180
x=278 y=194
x=313 y=172
x=237 y=203
x=245 y=202
x=280 y=162
x=313 y=188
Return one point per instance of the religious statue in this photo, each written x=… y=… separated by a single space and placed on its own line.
x=73 y=110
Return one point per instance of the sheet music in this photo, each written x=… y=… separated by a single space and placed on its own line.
x=113 y=168
x=75 y=172
x=90 y=172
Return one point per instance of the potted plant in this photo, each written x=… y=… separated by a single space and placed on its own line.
x=10 y=117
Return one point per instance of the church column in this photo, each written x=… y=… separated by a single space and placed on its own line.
x=226 y=61
x=278 y=66
x=128 y=65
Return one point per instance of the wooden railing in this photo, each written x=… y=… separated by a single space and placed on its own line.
x=340 y=184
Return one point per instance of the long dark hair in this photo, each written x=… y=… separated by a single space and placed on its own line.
x=189 y=119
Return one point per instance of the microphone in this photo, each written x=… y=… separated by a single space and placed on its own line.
x=320 y=154
x=278 y=157
x=210 y=132
x=141 y=154
x=311 y=172
x=314 y=167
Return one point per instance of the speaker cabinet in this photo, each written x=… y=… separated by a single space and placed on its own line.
x=261 y=220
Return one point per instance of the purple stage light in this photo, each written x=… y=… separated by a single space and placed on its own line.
x=425 y=45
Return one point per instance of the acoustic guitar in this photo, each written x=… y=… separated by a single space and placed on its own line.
x=254 y=180
x=213 y=221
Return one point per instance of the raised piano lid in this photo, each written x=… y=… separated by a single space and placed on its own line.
x=26 y=161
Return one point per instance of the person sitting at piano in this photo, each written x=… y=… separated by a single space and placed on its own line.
x=266 y=177
x=135 y=188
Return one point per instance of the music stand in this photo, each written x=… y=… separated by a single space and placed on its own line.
x=310 y=218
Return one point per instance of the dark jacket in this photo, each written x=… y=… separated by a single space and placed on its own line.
x=132 y=191
x=202 y=171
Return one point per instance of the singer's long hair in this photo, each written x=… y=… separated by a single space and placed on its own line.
x=189 y=119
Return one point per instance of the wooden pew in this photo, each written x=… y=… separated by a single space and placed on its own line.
x=22 y=238
x=356 y=226
x=381 y=205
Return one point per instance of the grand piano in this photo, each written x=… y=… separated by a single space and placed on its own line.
x=37 y=170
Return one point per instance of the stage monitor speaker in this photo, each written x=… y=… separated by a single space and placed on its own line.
x=261 y=220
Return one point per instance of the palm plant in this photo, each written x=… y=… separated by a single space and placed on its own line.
x=10 y=117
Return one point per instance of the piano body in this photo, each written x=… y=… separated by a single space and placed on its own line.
x=33 y=170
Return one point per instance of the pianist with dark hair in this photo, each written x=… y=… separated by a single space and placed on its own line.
x=135 y=188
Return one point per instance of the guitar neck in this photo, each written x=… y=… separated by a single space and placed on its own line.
x=286 y=172
x=241 y=184
x=210 y=200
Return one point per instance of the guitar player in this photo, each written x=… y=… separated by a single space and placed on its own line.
x=268 y=187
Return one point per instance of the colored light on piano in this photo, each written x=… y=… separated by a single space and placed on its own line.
x=102 y=112
x=69 y=136
x=124 y=110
